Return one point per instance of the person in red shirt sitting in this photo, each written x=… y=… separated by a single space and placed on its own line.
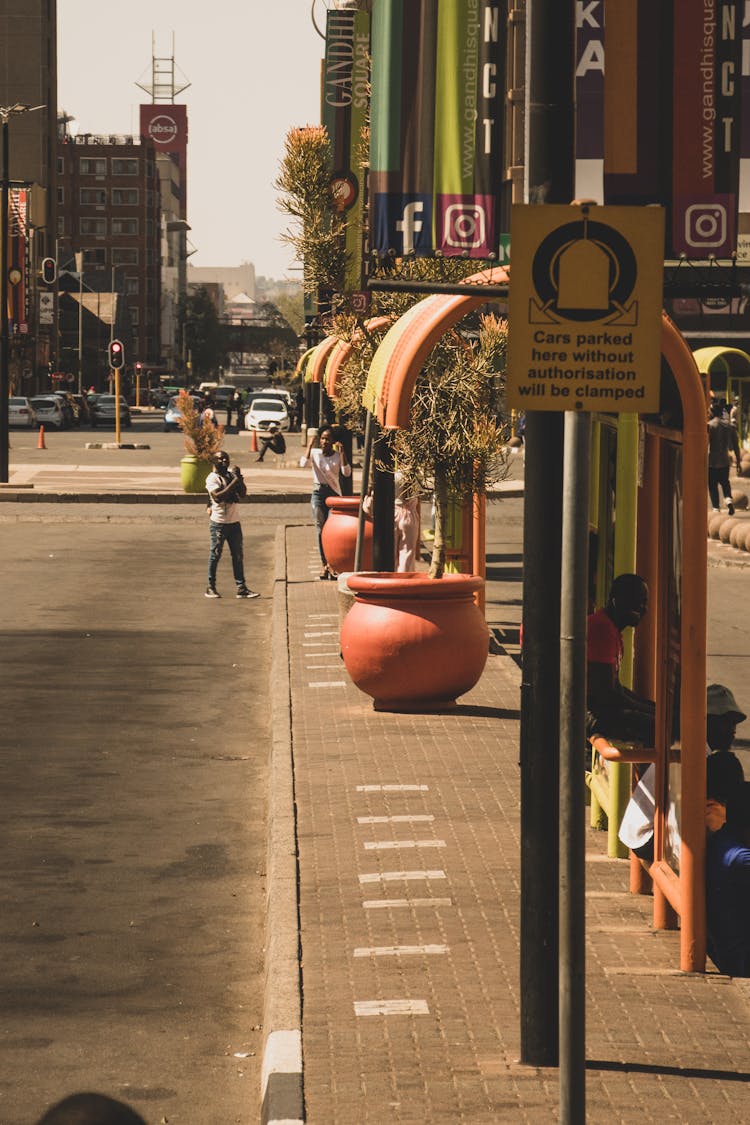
x=613 y=710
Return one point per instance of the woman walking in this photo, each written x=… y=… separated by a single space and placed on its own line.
x=327 y=462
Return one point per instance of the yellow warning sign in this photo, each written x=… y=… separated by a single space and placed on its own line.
x=585 y=308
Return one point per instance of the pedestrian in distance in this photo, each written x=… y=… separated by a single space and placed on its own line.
x=273 y=439
x=328 y=461
x=722 y=439
x=226 y=488
x=613 y=710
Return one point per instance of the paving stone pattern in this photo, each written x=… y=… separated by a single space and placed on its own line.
x=425 y=913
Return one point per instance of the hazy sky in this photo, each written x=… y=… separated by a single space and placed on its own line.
x=254 y=69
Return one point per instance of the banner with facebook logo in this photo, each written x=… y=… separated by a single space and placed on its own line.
x=436 y=127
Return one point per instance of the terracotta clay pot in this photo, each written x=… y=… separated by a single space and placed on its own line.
x=340 y=534
x=414 y=643
x=740 y=500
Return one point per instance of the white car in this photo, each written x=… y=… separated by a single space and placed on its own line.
x=21 y=412
x=266 y=412
x=49 y=411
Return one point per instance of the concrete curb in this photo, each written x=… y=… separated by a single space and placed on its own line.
x=282 y=1090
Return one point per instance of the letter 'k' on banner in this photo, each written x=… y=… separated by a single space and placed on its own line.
x=436 y=126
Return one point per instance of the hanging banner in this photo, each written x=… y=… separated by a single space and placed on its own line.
x=438 y=104
x=667 y=119
x=345 y=89
x=18 y=261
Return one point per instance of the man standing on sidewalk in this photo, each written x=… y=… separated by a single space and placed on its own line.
x=722 y=437
x=225 y=489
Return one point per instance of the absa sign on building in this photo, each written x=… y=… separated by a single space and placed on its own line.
x=166 y=125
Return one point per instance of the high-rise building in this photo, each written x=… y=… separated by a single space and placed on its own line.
x=109 y=212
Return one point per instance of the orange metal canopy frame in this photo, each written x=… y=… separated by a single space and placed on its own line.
x=393 y=374
x=342 y=351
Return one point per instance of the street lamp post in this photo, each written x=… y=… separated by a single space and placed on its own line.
x=6 y=112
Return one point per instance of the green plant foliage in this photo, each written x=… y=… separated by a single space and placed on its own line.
x=304 y=183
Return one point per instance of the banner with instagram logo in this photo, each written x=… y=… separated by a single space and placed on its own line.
x=437 y=113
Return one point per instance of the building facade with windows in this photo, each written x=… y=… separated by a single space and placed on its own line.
x=28 y=76
x=108 y=209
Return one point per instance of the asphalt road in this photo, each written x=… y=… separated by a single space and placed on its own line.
x=134 y=747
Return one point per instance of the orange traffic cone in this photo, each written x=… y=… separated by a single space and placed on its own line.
x=253 y=441
x=40 y=444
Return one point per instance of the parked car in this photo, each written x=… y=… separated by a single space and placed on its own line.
x=21 y=412
x=278 y=392
x=221 y=396
x=265 y=412
x=49 y=411
x=104 y=412
x=172 y=414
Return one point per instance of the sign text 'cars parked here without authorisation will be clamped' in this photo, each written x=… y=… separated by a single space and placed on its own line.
x=585 y=308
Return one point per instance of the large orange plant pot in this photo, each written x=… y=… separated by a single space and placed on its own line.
x=340 y=534
x=414 y=643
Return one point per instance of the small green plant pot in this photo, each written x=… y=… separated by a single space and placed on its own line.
x=194 y=473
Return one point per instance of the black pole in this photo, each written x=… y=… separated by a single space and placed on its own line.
x=573 y=598
x=383 y=539
x=550 y=25
x=369 y=426
x=4 y=340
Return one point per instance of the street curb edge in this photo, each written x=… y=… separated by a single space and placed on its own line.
x=282 y=1089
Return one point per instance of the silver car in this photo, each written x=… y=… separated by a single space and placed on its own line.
x=21 y=412
x=104 y=412
x=49 y=411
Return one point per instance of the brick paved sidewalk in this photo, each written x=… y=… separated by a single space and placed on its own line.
x=409 y=869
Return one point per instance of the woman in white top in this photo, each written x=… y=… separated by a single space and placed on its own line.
x=327 y=462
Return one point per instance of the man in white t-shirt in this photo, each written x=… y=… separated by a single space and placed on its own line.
x=327 y=462
x=226 y=488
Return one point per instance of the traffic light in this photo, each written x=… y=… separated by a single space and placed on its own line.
x=116 y=354
x=49 y=271
x=138 y=368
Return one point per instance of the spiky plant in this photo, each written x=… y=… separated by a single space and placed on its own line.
x=304 y=182
x=202 y=437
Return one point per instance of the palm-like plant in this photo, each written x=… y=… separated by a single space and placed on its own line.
x=202 y=437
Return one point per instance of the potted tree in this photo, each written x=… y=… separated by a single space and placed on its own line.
x=418 y=641
x=202 y=438
x=412 y=641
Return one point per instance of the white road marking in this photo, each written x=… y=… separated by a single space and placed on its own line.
x=398 y=876
x=393 y=819
x=399 y=950
x=392 y=788
x=324 y=633
x=390 y=845
x=402 y=903
x=391 y=1008
x=326 y=683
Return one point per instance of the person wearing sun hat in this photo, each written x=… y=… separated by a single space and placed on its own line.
x=637 y=825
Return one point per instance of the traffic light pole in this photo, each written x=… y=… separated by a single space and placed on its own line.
x=117 y=405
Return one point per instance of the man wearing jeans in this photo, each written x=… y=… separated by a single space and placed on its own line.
x=225 y=489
